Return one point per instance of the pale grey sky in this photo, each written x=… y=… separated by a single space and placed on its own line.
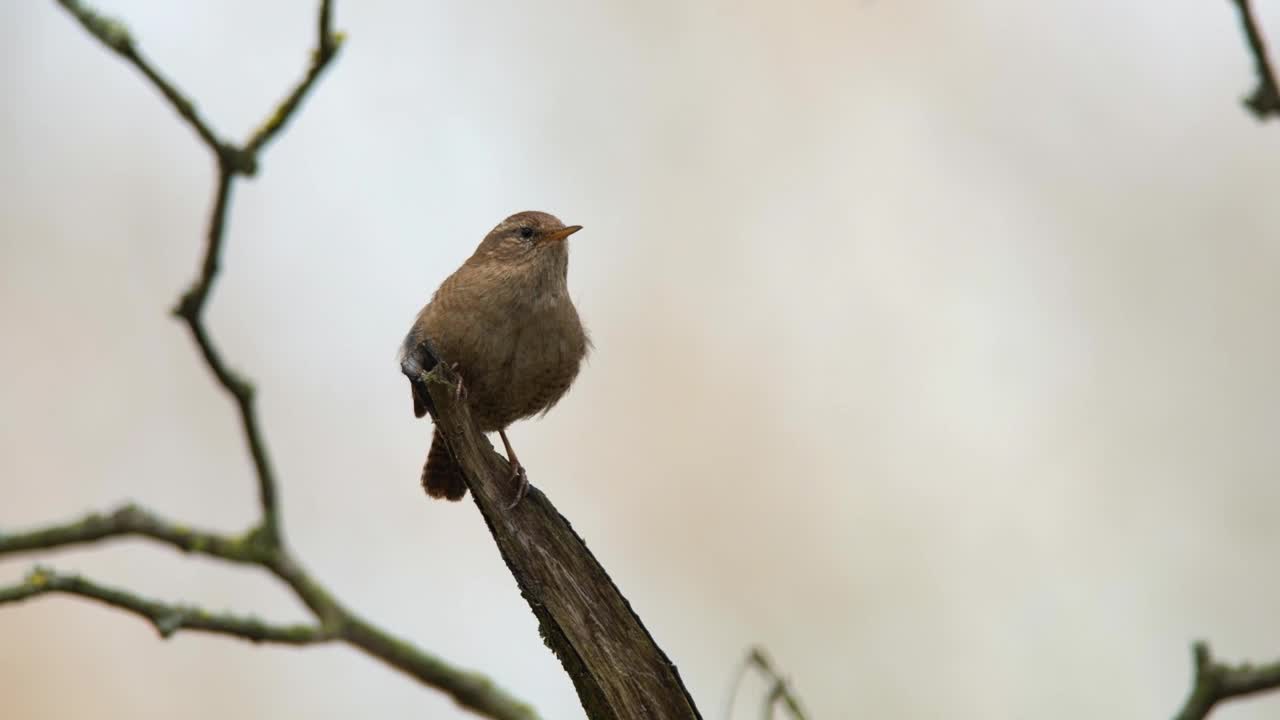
x=935 y=343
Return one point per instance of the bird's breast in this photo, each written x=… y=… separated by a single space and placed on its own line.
x=550 y=346
x=517 y=357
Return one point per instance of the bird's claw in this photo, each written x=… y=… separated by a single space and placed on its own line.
x=521 y=478
x=460 y=391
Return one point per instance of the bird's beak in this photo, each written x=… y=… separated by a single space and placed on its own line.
x=563 y=233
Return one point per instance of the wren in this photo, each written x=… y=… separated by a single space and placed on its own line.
x=504 y=321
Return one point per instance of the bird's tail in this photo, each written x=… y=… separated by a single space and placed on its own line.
x=441 y=476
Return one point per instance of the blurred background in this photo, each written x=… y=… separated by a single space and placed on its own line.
x=935 y=344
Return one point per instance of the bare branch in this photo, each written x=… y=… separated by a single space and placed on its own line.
x=469 y=688
x=167 y=619
x=779 y=689
x=1265 y=98
x=132 y=520
x=263 y=545
x=1215 y=682
x=116 y=36
x=191 y=306
x=618 y=669
x=327 y=45
x=770 y=705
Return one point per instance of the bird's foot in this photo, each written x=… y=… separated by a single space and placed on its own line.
x=459 y=392
x=521 y=478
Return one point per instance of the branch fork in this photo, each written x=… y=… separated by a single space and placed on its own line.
x=263 y=545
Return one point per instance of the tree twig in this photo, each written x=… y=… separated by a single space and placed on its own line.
x=264 y=544
x=116 y=36
x=1215 y=682
x=326 y=48
x=779 y=688
x=1265 y=98
x=132 y=520
x=167 y=619
x=337 y=623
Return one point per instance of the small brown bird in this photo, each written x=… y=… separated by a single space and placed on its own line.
x=505 y=322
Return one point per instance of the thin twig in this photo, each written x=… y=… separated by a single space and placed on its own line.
x=736 y=685
x=264 y=544
x=167 y=619
x=469 y=688
x=1215 y=682
x=1265 y=99
x=472 y=690
x=770 y=706
x=779 y=689
x=116 y=36
x=326 y=47
x=132 y=520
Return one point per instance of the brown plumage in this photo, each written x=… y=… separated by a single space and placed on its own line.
x=440 y=475
x=505 y=321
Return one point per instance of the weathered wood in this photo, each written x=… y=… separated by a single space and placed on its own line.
x=618 y=670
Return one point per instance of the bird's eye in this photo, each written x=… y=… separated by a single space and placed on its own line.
x=526 y=232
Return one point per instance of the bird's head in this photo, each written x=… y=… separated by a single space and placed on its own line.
x=527 y=238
